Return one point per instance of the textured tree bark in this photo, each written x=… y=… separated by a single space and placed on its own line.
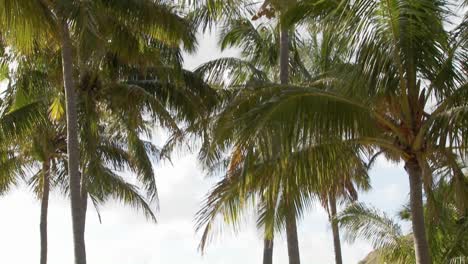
x=268 y=251
x=291 y=236
x=72 y=145
x=84 y=197
x=421 y=245
x=335 y=231
x=44 y=210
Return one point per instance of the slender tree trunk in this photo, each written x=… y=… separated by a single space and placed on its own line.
x=291 y=225
x=268 y=236
x=44 y=210
x=291 y=236
x=268 y=251
x=421 y=245
x=72 y=145
x=284 y=55
x=335 y=231
x=84 y=197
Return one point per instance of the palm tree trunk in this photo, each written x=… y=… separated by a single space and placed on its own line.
x=284 y=55
x=72 y=145
x=44 y=210
x=291 y=236
x=291 y=226
x=421 y=245
x=84 y=197
x=335 y=231
x=268 y=237
x=268 y=251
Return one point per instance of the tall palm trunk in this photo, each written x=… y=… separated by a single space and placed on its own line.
x=267 y=251
x=291 y=236
x=84 y=202
x=44 y=210
x=284 y=55
x=72 y=145
x=421 y=245
x=268 y=238
x=335 y=231
x=291 y=225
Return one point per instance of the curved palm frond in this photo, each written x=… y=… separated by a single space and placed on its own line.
x=231 y=72
x=106 y=184
x=26 y=24
x=386 y=236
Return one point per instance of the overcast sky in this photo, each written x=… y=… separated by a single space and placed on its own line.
x=125 y=237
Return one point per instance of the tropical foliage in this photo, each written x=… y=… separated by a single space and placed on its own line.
x=447 y=238
x=257 y=66
x=319 y=90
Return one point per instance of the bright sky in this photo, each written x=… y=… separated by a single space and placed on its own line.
x=125 y=237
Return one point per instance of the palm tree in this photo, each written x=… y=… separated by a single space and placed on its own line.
x=46 y=148
x=42 y=22
x=291 y=223
x=385 y=234
x=43 y=146
x=343 y=188
x=259 y=64
x=111 y=74
x=251 y=181
x=17 y=119
x=380 y=99
x=215 y=11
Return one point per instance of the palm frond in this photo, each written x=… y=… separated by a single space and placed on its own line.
x=386 y=236
x=106 y=184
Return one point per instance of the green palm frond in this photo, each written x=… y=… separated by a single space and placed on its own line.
x=114 y=155
x=227 y=200
x=141 y=101
x=306 y=10
x=142 y=163
x=11 y=168
x=158 y=19
x=25 y=24
x=316 y=113
x=231 y=72
x=106 y=184
x=456 y=119
x=251 y=178
x=386 y=236
x=17 y=122
x=208 y=13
